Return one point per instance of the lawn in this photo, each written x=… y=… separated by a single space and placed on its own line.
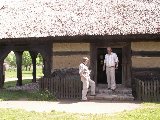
x=13 y=74
x=146 y=112
x=16 y=95
x=8 y=84
x=6 y=95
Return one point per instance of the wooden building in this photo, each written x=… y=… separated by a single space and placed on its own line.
x=65 y=31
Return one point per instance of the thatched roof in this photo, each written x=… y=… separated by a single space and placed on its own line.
x=41 y=18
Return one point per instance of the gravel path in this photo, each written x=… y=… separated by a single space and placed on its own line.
x=94 y=107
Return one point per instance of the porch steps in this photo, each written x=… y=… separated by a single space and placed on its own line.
x=121 y=94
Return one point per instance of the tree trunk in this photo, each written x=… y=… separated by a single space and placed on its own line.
x=26 y=68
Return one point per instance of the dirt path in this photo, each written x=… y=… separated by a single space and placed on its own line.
x=94 y=107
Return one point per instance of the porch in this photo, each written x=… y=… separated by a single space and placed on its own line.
x=66 y=84
x=121 y=94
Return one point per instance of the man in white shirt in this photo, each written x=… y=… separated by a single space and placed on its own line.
x=85 y=78
x=110 y=64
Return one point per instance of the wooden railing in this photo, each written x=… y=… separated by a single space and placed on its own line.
x=63 y=87
x=147 y=90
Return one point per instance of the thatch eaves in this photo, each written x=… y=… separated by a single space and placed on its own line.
x=42 y=18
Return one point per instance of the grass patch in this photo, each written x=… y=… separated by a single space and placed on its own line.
x=20 y=94
x=150 y=113
x=147 y=112
x=13 y=74
x=9 y=114
x=24 y=95
x=8 y=84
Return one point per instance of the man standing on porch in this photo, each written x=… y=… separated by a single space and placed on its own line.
x=110 y=64
x=85 y=78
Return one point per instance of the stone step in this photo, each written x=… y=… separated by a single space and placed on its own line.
x=112 y=97
x=121 y=94
x=118 y=91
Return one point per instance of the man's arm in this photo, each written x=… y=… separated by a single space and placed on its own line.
x=81 y=71
x=116 y=65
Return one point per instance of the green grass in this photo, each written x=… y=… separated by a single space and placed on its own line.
x=18 y=95
x=13 y=74
x=6 y=95
x=146 y=112
x=8 y=84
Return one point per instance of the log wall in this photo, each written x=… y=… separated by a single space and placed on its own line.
x=69 y=55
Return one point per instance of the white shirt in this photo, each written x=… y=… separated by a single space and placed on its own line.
x=110 y=59
x=83 y=70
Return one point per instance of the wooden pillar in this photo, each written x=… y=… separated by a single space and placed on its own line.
x=126 y=65
x=18 y=55
x=33 y=56
x=4 y=50
x=93 y=60
x=1 y=74
x=47 y=65
x=47 y=60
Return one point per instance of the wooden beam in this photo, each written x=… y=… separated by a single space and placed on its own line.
x=85 y=38
x=146 y=53
x=64 y=53
x=145 y=69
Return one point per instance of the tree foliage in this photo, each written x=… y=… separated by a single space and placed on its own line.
x=39 y=59
x=11 y=60
x=26 y=60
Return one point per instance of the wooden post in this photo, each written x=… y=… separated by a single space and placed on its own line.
x=18 y=55
x=33 y=56
x=1 y=74
x=4 y=50
x=47 y=60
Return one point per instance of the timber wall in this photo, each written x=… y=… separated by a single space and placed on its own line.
x=146 y=70
x=145 y=54
x=69 y=55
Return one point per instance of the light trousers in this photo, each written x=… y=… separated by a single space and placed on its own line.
x=110 y=72
x=86 y=83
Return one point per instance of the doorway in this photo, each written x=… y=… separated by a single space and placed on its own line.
x=101 y=75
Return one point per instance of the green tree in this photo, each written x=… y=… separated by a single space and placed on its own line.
x=39 y=59
x=11 y=60
x=26 y=60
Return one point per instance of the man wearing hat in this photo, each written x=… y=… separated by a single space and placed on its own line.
x=85 y=78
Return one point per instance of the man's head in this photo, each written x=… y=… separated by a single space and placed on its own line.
x=85 y=60
x=109 y=50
